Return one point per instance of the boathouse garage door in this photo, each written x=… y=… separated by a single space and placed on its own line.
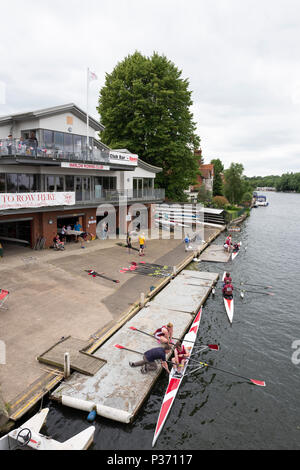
x=17 y=231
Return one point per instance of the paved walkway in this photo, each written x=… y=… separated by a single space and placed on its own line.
x=52 y=296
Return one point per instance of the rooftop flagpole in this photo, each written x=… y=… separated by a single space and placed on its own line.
x=87 y=110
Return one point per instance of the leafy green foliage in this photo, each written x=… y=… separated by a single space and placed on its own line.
x=218 y=189
x=144 y=106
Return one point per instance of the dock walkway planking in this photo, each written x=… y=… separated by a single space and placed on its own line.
x=215 y=253
x=117 y=391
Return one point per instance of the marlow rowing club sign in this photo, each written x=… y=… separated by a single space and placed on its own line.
x=22 y=200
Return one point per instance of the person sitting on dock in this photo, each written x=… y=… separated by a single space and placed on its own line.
x=228 y=243
x=148 y=363
x=228 y=290
x=164 y=334
x=180 y=356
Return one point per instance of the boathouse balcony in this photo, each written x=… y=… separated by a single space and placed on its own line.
x=29 y=149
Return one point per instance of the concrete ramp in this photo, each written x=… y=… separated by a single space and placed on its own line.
x=117 y=391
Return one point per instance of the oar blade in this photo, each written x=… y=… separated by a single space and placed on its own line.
x=119 y=346
x=133 y=328
x=215 y=347
x=260 y=383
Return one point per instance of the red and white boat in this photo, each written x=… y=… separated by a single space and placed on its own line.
x=175 y=380
x=235 y=253
x=229 y=304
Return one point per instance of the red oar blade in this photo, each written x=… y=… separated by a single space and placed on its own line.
x=213 y=346
x=119 y=346
x=132 y=328
x=260 y=383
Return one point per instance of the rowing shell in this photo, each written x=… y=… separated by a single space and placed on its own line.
x=175 y=380
x=235 y=253
x=229 y=304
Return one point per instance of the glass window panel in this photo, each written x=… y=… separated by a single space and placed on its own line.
x=12 y=182
x=87 y=188
x=50 y=183
x=113 y=182
x=78 y=188
x=59 y=140
x=59 y=183
x=105 y=182
x=2 y=183
x=36 y=185
x=68 y=143
x=69 y=183
x=48 y=139
x=25 y=183
x=77 y=143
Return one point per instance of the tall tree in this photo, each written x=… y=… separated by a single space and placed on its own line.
x=218 y=189
x=234 y=183
x=145 y=107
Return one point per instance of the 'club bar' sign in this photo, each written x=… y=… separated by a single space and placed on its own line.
x=27 y=200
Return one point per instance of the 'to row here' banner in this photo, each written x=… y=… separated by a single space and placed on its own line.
x=22 y=200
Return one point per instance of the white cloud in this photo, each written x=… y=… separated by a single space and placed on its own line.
x=241 y=59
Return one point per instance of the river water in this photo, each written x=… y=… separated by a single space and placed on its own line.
x=214 y=410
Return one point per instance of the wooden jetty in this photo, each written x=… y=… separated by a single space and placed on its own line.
x=215 y=253
x=117 y=391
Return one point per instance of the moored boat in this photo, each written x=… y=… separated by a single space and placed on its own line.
x=229 y=304
x=175 y=379
x=28 y=437
x=235 y=253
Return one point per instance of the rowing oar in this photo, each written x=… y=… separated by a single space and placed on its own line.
x=255 y=292
x=94 y=274
x=211 y=346
x=256 y=285
x=260 y=383
x=126 y=349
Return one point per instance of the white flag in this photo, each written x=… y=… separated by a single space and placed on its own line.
x=92 y=76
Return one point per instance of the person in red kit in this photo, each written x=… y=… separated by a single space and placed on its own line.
x=228 y=290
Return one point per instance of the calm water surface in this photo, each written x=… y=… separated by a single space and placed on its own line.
x=215 y=410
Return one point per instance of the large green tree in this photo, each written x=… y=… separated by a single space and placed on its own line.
x=218 y=189
x=235 y=185
x=145 y=107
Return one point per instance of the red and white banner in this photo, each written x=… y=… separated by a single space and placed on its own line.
x=124 y=158
x=27 y=200
x=84 y=166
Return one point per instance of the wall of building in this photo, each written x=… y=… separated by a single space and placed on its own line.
x=60 y=123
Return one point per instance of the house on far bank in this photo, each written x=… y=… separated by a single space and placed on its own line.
x=206 y=178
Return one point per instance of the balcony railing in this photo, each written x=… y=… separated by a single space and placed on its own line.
x=114 y=196
x=28 y=148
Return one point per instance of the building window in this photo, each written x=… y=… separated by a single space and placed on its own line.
x=2 y=182
x=48 y=139
x=69 y=183
x=54 y=183
x=68 y=143
x=12 y=183
x=59 y=141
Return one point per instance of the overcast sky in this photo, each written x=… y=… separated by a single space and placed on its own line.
x=241 y=58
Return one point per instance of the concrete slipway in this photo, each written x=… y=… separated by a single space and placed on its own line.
x=118 y=391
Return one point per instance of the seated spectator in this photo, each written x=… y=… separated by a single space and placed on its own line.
x=58 y=244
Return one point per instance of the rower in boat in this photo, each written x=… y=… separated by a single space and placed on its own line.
x=164 y=334
x=181 y=353
x=228 y=243
x=228 y=290
x=227 y=278
x=236 y=247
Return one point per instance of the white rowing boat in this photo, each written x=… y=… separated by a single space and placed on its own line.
x=176 y=379
x=28 y=436
x=235 y=253
x=229 y=304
